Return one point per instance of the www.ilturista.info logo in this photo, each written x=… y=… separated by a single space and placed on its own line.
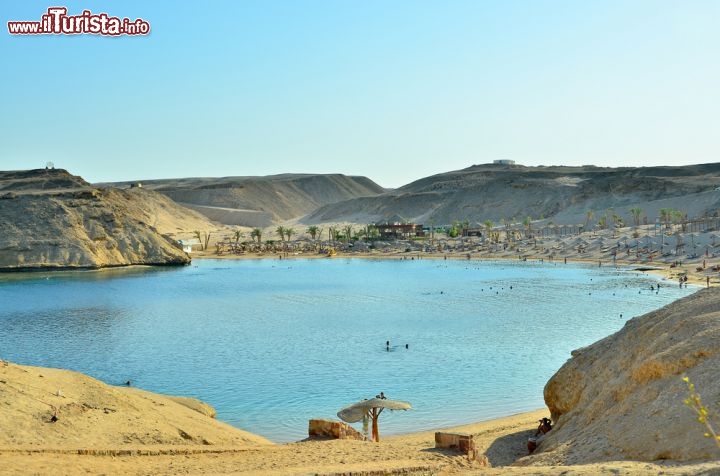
x=58 y=22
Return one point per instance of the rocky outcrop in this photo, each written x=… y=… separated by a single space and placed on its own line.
x=319 y=428
x=51 y=219
x=622 y=397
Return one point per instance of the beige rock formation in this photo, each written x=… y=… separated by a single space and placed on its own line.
x=51 y=219
x=94 y=417
x=621 y=398
x=320 y=428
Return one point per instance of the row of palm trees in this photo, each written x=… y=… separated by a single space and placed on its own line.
x=667 y=216
x=335 y=234
x=346 y=233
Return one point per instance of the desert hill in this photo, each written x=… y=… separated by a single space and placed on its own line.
x=563 y=194
x=262 y=201
x=477 y=193
x=622 y=397
x=52 y=219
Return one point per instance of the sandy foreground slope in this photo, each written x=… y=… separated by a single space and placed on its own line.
x=102 y=429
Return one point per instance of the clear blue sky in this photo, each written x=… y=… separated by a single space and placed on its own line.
x=393 y=90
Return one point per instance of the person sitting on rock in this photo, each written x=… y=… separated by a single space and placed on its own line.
x=545 y=426
x=534 y=441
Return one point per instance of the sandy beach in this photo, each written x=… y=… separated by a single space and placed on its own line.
x=670 y=254
x=100 y=431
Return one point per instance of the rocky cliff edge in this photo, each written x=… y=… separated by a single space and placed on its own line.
x=52 y=219
x=622 y=398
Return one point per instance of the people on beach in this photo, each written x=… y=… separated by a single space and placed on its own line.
x=545 y=426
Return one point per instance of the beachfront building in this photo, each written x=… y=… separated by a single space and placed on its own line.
x=187 y=245
x=504 y=162
x=401 y=231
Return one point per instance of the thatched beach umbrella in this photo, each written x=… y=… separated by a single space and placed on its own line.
x=372 y=408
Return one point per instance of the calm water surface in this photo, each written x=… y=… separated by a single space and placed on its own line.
x=273 y=343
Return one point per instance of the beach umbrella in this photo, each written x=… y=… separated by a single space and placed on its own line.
x=371 y=408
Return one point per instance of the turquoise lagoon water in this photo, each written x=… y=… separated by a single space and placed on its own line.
x=273 y=343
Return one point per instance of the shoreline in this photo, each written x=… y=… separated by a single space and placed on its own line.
x=662 y=270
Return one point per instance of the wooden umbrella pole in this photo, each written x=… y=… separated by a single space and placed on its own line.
x=375 y=431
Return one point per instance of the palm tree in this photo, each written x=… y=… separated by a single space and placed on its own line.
x=256 y=233
x=280 y=230
x=610 y=217
x=527 y=223
x=666 y=215
x=347 y=230
x=374 y=231
x=369 y=231
x=333 y=234
x=454 y=229
x=636 y=212
x=488 y=226
x=602 y=222
x=313 y=230
x=289 y=232
x=237 y=235
x=204 y=240
x=681 y=219
x=588 y=216
x=507 y=224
